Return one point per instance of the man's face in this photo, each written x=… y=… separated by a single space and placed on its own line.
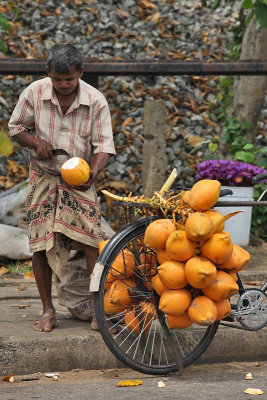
x=65 y=83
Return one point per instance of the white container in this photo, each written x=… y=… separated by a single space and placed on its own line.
x=239 y=225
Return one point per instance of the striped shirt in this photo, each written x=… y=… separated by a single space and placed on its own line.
x=85 y=129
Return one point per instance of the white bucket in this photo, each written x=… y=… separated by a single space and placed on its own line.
x=239 y=225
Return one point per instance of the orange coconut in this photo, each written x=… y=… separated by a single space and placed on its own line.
x=158 y=232
x=120 y=292
x=148 y=310
x=199 y=227
x=172 y=274
x=202 y=311
x=109 y=307
x=223 y=309
x=132 y=321
x=163 y=255
x=204 y=194
x=148 y=258
x=102 y=244
x=233 y=275
x=200 y=272
x=75 y=171
x=215 y=216
x=109 y=280
x=137 y=317
x=238 y=259
x=158 y=285
x=218 y=248
x=222 y=287
x=175 y=301
x=179 y=322
x=184 y=197
x=179 y=246
x=123 y=265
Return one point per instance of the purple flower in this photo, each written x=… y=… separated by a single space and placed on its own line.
x=228 y=172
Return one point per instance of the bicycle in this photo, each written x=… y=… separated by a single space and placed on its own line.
x=154 y=348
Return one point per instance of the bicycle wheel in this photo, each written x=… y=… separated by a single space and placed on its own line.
x=143 y=341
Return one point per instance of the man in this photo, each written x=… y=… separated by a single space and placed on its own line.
x=61 y=112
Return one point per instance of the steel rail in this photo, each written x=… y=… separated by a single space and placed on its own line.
x=146 y=68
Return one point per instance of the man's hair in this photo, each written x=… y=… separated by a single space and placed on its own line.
x=61 y=57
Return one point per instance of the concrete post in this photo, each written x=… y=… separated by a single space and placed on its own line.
x=154 y=148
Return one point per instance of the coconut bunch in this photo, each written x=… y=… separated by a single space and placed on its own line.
x=197 y=261
x=192 y=266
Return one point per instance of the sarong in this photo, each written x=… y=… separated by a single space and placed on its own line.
x=60 y=218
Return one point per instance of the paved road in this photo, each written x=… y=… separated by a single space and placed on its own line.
x=217 y=382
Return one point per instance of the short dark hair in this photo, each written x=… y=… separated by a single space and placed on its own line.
x=62 y=56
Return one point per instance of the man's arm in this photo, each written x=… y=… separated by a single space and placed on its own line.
x=42 y=148
x=22 y=121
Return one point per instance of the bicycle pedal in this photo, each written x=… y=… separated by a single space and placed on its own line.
x=230 y=318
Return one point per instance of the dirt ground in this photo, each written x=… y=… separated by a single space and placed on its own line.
x=258 y=255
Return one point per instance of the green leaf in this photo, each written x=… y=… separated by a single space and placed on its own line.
x=4 y=23
x=216 y=4
x=248 y=146
x=213 y=147
x=261 y=14
x=6 y=146
x=250 y=17
x=244 y=156
x=263 y=150
x=247 y=4
x=3 y=46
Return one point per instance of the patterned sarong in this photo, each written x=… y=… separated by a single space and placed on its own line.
x=60 y=218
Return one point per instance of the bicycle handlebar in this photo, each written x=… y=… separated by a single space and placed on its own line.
x=259 y=177
x=225 y=192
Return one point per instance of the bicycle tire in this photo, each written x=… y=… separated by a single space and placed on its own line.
x=192 y=341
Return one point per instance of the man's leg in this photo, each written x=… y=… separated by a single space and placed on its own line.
x=91 y=254
x=43 y=277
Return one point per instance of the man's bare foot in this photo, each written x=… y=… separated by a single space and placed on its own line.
x=94 y=325
x=47 y=322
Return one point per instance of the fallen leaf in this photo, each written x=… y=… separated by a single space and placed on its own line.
x=28 y=275
x=117 y=185
x=55 y=378
x=20 y=288
x=4 y=270
x=156 y=17
x=253 y=283
x=210 y=122
x=249 y=376
x=129 y=383
x=7 y=377
x=146 y=4
x=257 y=364
x=195 y=141
x=123 y=13
x=21 y=306
x=253 y=391
x=161 y=384
x=127 y=121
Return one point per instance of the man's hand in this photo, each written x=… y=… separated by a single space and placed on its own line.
x=43 y=149
x=85 y=186
x=98 y=162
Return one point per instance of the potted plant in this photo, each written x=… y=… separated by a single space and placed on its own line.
x=237 y=176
